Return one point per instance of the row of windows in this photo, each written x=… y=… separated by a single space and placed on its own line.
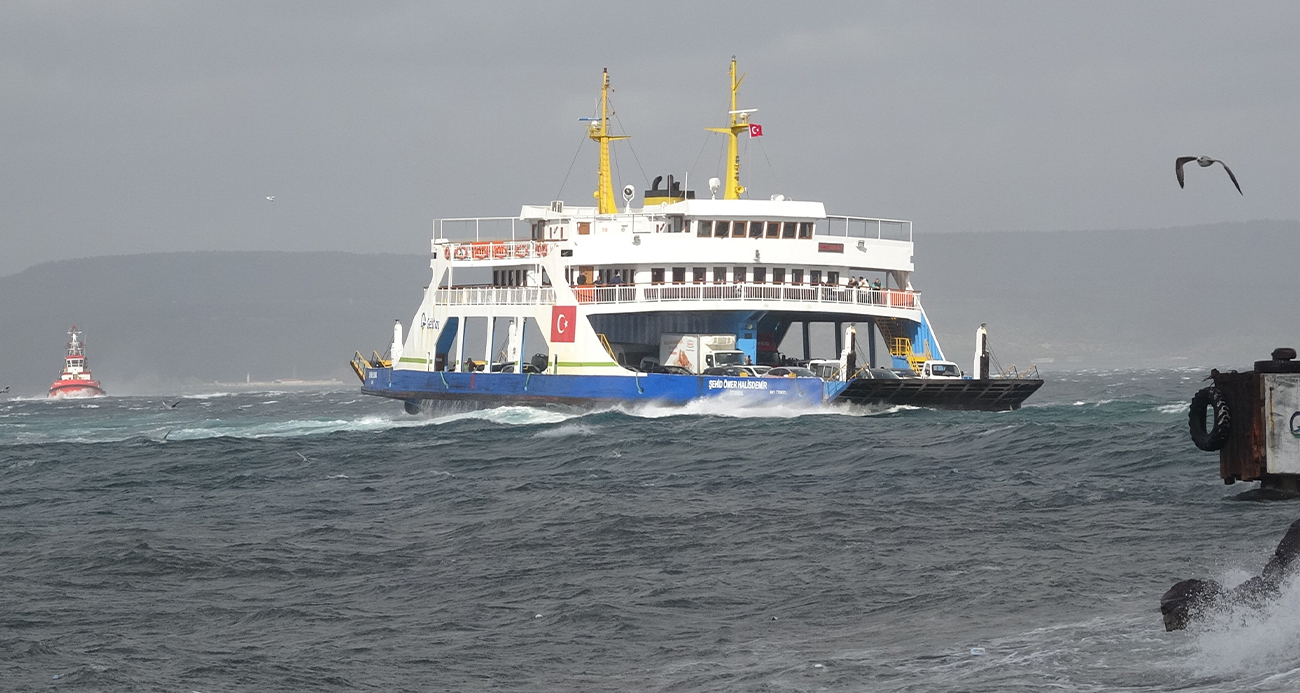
x=705 y=228
x=739 y=275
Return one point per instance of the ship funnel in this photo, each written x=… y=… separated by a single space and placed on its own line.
x=395 y=351
x=849 y=355
x=981 y=353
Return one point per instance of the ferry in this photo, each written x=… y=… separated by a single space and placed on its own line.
x=678 y=299
x=75 y=380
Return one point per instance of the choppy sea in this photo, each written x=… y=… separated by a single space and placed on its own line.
x=327 y=541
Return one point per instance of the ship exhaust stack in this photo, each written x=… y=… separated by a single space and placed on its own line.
x=849 y=356
x=395 y=351
x=982 y=353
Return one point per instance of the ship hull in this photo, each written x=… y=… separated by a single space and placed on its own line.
x=76 y=389
x=420 y=388
x=540 y=388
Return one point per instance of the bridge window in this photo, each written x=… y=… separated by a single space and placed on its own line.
x=814 y=277
x=697 y=275
x=773 y=229
x=721 y=229
x=738 y=275
x=787 y=229
x=778 y=275
x=796 y=276
x=657 y=275
x=760 y=275
x=679 y=275
x=833 y=278
x=805 y=229
x=755 y=229
x=719 y=275
x=703 y=228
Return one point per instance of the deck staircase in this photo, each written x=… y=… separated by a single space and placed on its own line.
x=901 y=346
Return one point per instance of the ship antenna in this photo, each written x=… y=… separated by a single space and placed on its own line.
x=738 y=122
x=598 y=130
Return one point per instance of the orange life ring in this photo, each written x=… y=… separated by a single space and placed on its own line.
x=481 y=251
x=446 y=253
x=461 y=252
x=498 y=251
x=542 y=249
x=521 y=250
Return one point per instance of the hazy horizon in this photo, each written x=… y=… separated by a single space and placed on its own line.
x=1204 y=296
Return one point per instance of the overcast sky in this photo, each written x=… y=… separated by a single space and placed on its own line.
x=155 y=126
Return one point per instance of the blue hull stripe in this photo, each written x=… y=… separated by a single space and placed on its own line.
x=539 y=387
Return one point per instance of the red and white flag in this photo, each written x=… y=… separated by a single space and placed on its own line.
x=563 y=323
x=755 y=130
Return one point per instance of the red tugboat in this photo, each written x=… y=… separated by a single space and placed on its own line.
x=75 y=381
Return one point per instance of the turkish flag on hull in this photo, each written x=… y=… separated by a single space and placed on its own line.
x=563 y=323
x=755 y=130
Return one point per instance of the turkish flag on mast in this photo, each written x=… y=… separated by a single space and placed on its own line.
x=755 y=130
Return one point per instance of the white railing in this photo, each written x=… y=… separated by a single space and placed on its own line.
x=494 y=296
x=481 y=228
x=677 y=293
x=495 y=250
x=669 y=293
x=865 y=227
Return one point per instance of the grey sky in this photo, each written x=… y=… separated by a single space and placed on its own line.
x=151 y=126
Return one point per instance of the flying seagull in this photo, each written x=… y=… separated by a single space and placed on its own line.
x=271 y=198
x=1204 y=162
x=171 y=405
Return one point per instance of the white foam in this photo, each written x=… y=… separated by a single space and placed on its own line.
x=512 y=416
x=1177 y=408
x=1243 y=640
x=741 y=407
x=566 y=430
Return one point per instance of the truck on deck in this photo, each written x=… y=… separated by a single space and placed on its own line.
x=696 y=352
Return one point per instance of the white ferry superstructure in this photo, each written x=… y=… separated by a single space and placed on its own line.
x=592 y=304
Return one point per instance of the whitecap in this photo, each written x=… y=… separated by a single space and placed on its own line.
x=1252 y=641
x=566 y=430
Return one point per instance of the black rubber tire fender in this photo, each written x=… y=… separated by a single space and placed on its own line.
x=1212 y=439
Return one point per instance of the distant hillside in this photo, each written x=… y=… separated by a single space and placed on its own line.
x=155 y=322
x=1222 y=294
x=1210 y=295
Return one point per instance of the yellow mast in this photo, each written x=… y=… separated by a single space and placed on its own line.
x=739 y=122
x=598 y=130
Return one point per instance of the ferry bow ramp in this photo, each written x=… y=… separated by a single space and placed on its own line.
x=677 y=299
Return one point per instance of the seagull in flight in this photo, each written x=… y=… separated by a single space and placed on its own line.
x=171 y=405
x=271 y=198
x=1204 y=162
